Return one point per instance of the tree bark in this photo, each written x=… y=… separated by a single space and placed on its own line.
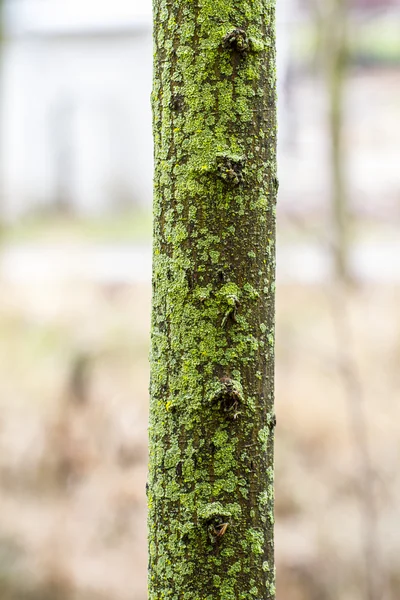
x=210 y=488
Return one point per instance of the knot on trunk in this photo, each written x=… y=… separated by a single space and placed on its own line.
x=217 y=520
x=217 y=529
x=228 y=396
x=271 y=421
x=230 y=169
x=177 y=102
x=237 y=41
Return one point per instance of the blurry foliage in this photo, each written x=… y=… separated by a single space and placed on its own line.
x=372 y=42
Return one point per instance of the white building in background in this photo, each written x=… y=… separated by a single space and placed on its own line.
x=75 y=99
x=76 y=117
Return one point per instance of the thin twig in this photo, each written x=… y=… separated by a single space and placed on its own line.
x=348 y=368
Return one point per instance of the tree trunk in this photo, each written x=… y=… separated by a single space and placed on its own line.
x=336 y=56
x=210 y=490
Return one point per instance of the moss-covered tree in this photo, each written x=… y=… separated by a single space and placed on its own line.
x=210 y=489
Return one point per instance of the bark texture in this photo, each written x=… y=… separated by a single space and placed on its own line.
x=210 y=489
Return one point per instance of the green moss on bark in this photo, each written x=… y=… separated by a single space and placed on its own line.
x=210 y=490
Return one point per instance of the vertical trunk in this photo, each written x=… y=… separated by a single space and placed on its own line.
x=210 y=490
x=337 y=65
x=1 y=115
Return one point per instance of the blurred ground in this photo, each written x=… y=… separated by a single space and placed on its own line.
x=73 y=441
x=73 y=396
x=73 y=377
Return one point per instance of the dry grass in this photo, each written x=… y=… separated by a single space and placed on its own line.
x=73 y=398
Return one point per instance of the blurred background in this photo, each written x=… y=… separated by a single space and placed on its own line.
x=75 y=266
